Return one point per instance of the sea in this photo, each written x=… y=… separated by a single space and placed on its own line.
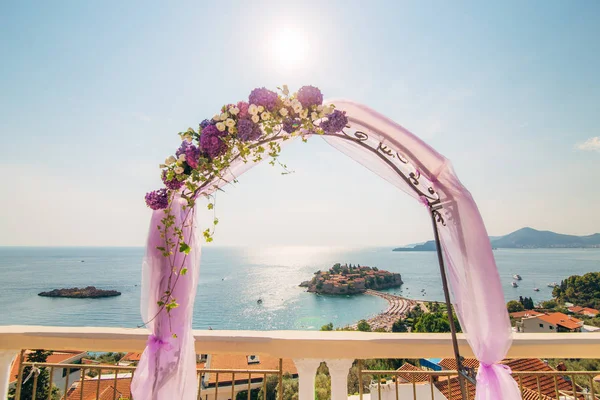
x=233 y=279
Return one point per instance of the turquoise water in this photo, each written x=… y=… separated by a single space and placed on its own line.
x=233 y=279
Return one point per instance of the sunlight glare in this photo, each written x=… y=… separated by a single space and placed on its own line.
x=289 y=47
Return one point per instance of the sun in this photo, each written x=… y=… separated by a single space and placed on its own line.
x=289 y=47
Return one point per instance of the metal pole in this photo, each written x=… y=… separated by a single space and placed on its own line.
x=448 y=305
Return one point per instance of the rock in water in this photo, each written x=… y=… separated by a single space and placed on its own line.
x=89 y=292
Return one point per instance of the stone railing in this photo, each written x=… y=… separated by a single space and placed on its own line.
x=306 y=348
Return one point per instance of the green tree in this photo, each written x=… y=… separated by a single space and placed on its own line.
x=328 y=327
x=243 y=395
x=549 y=304
x=514 y=306
x=363 y=326
x=434 y=322
x=583 y=290
x=43 y=380
x=290 y=388
x=272 y=384
x=399 y=326
x=322 y=387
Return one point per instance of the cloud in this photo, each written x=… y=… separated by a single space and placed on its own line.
x=592 y=144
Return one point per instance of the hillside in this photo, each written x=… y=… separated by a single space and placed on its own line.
x=527 y=238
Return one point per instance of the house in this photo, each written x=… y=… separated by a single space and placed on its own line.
x=130 y=358
x=239 y=362
x=59 y=375
x=586 y=311
x=553 y=322
x=101 y=387
x=519 y=315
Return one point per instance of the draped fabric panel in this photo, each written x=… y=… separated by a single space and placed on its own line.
x=167 y=368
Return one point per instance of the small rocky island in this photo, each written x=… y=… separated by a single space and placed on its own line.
x=89 y=292
x=349 y=279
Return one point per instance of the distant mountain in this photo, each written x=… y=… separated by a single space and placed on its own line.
x=526 y=238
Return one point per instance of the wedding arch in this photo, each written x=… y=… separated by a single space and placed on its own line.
x=245 y=133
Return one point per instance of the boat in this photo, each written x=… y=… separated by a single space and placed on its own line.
x=259 y=301
x=517 y=277
x=514 y=284
x=552 y=285
x=536 y=289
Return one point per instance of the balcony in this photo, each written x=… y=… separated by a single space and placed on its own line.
x=304 y=351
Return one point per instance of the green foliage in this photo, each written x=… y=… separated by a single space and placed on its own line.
x=272 y=384
x=364 y=326
x=583 y=290
x=328 y=327
x=323 y=386
x=243 y=395
x=399 y=326
x=43 y=380
x=107 y=358
x=549 y=304
x=527 y=302
x=434 y=323
x=290 y=388
x=514 y=306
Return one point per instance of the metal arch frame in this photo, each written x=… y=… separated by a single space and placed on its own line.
x=429 y=196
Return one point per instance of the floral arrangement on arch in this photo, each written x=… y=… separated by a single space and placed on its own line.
x=249 y=131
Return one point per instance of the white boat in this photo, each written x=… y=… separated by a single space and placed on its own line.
x=514 y=284
x=536 y=290
x=517 y=277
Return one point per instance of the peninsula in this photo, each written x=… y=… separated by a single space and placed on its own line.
x=349 y=279
x=89 y=292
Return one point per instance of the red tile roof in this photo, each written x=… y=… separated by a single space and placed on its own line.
x=131 y=357
x=412 y=377
x=450 y=388
x=561 y=319
x=106 y=392
x=524 y=314
x=234 y=361
x=57 y=357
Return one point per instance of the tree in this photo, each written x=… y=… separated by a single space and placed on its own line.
x=583 y=290
x=514 y=306
x=290 y=388
x=272 y=384
x=363 y=326
x=434 y=322
x=328 y=327
x=549 y=305
x=323 y=387
x=399 y=326
x=43 y=380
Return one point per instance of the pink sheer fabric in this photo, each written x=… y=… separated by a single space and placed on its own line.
x=167 y=367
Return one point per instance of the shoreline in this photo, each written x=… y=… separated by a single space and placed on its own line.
x=398 y=307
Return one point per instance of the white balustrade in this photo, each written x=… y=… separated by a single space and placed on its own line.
x=338 y=370
x=307 y=370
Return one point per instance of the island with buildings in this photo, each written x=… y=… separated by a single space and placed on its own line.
x=351 y=279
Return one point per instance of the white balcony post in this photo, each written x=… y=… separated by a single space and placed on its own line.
x=6 y=358
x=307 y=371
x=338 y=369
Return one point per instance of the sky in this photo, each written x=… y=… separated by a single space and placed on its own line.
x=92 y=95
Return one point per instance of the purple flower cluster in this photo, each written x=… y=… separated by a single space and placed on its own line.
x=211 y=141
x=192 y=154
x=158 y=199
x=310 y=96
x=243 y=106
x=205 y=123
x=183 y=148
x=172 y=184
x=336 y=122
x=248 y=130
x=291 y=125
x=263 y=97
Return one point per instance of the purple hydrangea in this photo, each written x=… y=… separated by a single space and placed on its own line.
x=336 y=122
x=243 y=106
x=291 y=125
x=172 y=184
x=158 y=199
x=183 y=148
x=310 y=96
x=248 y=130
x=192 y=154
x=263 y=97
x=205 y=123
x=211 y=141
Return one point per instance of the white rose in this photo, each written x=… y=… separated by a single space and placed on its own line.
x=217 y=117
x=224 y=116
x=231 y=129
x=220 y=126
x=170 y=160
x=234 y=110
x=265 y=115
x=255 y=119
x=285 y=90
x=284 y=112
x=327 y=110
x=314 y=115
x=181 y=158
x=252 y=109
x=304 y=113
x=320 y=108
x=229 y=122
x=261 y=109
x=296 y=102
x=178 y=170
x=287 y=103
x=297 y=108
